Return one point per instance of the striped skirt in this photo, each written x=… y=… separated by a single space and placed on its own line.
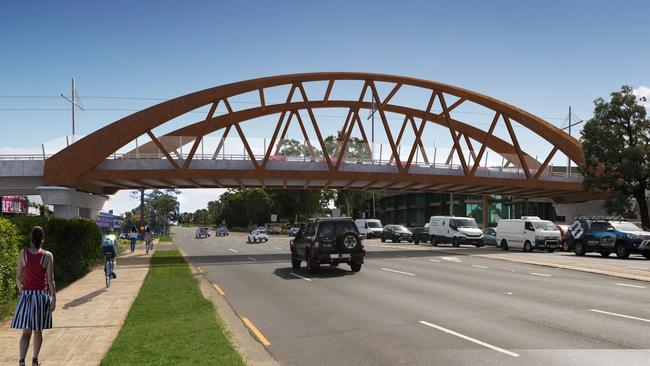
x=33 y=311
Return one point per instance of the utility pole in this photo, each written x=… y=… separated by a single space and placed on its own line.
x=142 y=211
x=568 y=164
x=373 y=109
x=74 y=104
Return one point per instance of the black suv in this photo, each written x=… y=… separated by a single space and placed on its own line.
x=607 y=235
x=327 y=241
x=396 y=233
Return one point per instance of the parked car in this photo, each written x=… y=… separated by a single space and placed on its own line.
x=369 y=228
x=222 y=231
x=202 y=232
x=606 y=236
x=564 y=244
x=489 y=236
x=328 y=241
x=396 y=233
x=293 y=231
x=258 y=235
x=421 y=234
x=528 y=233
x=455 y=230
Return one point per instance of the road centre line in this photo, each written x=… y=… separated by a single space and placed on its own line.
x=467 y=338
x=541 y=274
x=253 y=259
x=396 y=271
x=477 y=266
x=628 y=285
x=233 y=250
x=219 y=289
x=256 y=332
x=620 y=315
x=299 y=276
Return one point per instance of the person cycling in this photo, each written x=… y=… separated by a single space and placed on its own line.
x=110 y=252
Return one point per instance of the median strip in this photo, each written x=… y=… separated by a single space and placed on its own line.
x=260 y=337
x=396 y=271
x=620 y=315
x=467 y=338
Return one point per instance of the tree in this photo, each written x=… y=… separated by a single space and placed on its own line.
x=616 y=148
x=160 y=209
x=243 y=207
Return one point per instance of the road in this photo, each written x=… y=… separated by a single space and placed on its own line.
x=438 y=306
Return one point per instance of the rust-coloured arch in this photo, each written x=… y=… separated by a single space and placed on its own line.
x=75 y=165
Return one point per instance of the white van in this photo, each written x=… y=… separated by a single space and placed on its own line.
x=371 y=228
x=528 y=233
x=455 y=230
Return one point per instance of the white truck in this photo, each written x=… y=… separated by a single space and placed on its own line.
x=455 y=230
x=370 y=228
x=528 y=233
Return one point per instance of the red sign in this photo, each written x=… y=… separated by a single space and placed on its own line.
x=14 y=204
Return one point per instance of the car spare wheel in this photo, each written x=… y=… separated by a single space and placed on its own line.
x=348 y=242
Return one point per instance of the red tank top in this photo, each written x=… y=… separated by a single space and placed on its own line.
x=34 y=272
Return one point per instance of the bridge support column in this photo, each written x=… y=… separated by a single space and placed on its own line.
x=69 y=203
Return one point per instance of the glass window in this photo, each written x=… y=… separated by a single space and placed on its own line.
x=310 y=230
x=529 y=226
x=399 y=228
x=374 y=224
x=600 y=226
x=625 y=226
x=463 y=222
x=545 y=225
x=326 y=229
x=345 y=226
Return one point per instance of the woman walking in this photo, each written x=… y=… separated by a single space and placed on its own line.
x=35 y=281
x=148 y=240
x=133 y=235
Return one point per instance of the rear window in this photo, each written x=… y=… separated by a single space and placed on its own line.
x=345 y=226
x=600 y=226
x=326 y=229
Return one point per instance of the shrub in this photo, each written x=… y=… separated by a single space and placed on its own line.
x=9 y=247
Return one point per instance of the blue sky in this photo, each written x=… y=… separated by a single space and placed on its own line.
x=539 y=56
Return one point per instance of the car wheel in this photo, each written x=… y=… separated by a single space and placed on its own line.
x=295 y=262
x=622 y=251
x=348 y=242
x=396 y=240
x=416 y=242
x=455 y=242
x=605 y=253
x=434 y=242
x=528 y=247
x=550 y=250
x=504 y=245
x=646 y=255
x=579 y=249
x=383 y=240
x=565 y=246
x=355 y=267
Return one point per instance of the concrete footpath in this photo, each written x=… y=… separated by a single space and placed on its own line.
x=87 y=318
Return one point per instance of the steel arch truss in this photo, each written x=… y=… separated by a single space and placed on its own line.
x=92 y=165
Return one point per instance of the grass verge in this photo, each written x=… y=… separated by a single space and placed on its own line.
x=171 y=323
x=165 y=238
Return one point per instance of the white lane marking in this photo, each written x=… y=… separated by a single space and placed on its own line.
x=451 y=259
x=509 y=293
x=233 y=250
x=253 y=259
x=512 y=270
x=620 y=315
x=635 y=267
x=299 y=276
x=401 y=256
x=541 y=274
x=449 y=331
x=278 y=248
x=477 y=266
x=628 y=285
x=392 y=270
x=434 y=260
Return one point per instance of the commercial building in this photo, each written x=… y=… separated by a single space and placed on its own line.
x=107 y=221
x=414 y=209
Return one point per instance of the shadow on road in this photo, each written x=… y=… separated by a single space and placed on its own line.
x=84 y=299
x=324 y=272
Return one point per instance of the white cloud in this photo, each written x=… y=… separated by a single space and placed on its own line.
x=641 y=92
x=190 y=200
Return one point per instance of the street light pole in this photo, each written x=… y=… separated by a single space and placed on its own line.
x=373 y=109
x=74 y=104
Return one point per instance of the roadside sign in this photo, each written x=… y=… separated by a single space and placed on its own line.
x=336 y=212
x=274 y=218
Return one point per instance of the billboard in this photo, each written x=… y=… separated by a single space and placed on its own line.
x=14 y=204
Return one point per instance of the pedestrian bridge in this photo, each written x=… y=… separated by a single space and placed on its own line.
x=239 y=135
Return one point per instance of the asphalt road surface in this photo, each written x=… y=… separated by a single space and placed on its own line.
x=427 y=307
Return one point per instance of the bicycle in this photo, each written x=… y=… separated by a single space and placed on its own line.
x=108 y=270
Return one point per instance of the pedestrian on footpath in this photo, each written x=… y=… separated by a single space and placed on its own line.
x=35 y=281
x=148 y=239
x=133 y=235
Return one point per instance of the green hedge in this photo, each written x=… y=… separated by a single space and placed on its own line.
x=75 y=244
x=9 y=248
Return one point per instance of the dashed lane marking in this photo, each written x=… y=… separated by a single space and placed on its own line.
x=620 y=315
x=253 y=259
x=541 y=274
x=477 y=266
x=396 y=271
x=219 y=290
x=628 y=285
x=434 y=260
x=467 y=338
x=233 y=250
x=299 y=276
x=260 y=337
x=199 y=269
x=452 y=259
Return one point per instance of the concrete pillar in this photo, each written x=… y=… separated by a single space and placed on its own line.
x=69 y=203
